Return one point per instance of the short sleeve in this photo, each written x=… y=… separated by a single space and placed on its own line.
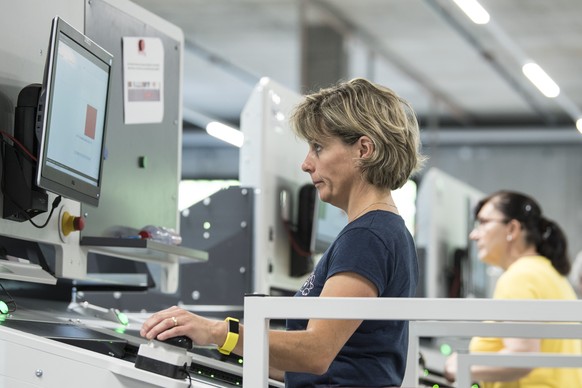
x=362 y=252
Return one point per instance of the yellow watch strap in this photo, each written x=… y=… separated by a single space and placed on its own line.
x=231 y=336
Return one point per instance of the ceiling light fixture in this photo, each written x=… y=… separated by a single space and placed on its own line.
x=531 y=70
x=225 y=133
x=474 y=11
x=541 y=79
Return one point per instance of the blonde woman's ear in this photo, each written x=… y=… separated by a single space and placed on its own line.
x=366 y=146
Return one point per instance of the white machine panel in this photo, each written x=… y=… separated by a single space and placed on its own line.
x=270 y=161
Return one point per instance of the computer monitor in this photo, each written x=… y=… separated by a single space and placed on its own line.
x=72 y=115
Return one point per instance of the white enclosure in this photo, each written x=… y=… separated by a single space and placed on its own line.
x=270 y=162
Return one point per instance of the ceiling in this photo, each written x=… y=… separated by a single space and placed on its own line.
x=456 y=74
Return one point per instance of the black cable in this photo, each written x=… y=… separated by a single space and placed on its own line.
x=56 y=203
x=10 y=302
x=188 y=374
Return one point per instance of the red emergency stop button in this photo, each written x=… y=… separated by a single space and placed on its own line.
x=71 y=223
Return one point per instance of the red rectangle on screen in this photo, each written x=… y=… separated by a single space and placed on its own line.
x=90 y=122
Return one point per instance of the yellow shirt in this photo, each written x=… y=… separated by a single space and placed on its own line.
x=533 y=277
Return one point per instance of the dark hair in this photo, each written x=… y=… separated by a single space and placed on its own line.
x=548 y=238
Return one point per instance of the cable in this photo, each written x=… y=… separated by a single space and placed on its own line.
x=300 y=251
x=188 y=374
x=21 y=148
x=31 y=158
x=11 y=302
x=56 y=203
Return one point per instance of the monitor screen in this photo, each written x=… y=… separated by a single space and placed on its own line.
x=72 y=115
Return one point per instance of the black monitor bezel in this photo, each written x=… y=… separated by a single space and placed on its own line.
x=47 y=177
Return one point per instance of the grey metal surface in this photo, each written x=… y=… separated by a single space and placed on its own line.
x=222 y=226
x=134 y=196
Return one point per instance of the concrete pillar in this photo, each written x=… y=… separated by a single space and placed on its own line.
x=324 y=59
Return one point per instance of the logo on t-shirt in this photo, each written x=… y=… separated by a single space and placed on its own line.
x=307 y=286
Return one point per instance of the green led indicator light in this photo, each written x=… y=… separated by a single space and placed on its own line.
x=446 y=350
x=123 y=319
x=3 y=307
x=425 y=372
x=475 y=386
x=436 y=386
x=240 y=360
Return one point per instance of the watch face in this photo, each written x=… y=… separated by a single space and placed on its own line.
x=233 y=326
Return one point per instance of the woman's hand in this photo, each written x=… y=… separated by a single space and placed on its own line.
x=175 y=321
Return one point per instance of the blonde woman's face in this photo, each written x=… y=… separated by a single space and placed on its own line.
x=332 y=167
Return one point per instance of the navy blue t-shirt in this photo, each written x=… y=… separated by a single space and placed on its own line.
x=378 y=247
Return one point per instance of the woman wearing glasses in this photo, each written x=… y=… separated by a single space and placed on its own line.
x=511 y=233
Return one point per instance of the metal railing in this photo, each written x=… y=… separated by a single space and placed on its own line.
x=259 y=311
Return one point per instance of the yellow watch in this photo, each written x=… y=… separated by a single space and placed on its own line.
x=231 y=336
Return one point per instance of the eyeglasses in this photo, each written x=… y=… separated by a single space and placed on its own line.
x=480 y=222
